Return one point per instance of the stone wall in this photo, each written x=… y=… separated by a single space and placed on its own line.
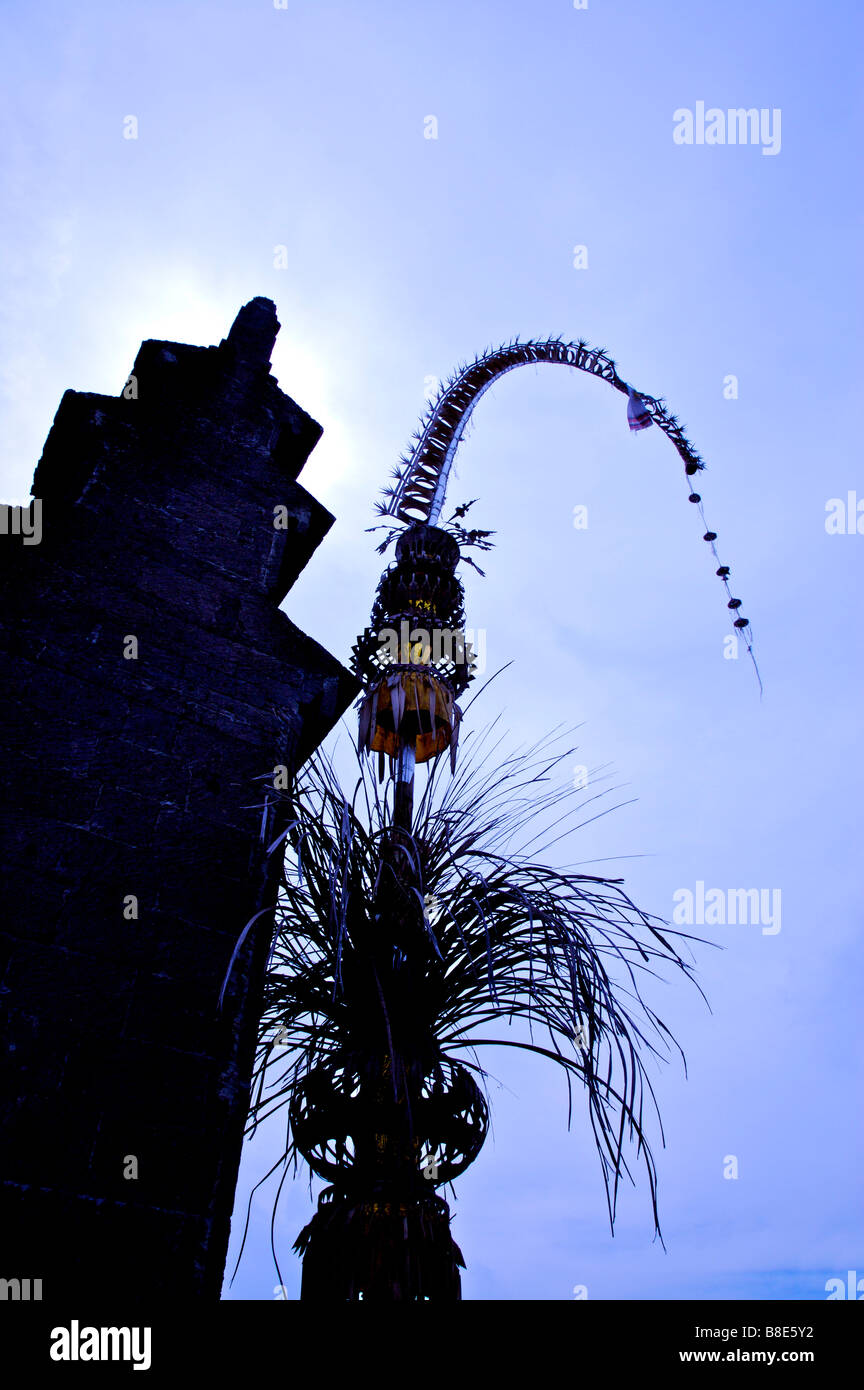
x=148 y=678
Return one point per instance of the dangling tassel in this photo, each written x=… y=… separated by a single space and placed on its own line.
x=365 y=728
x=637 y=413
x=454 y=740
x=397 y=701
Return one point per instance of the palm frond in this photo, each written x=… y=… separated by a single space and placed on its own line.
x=507 y=938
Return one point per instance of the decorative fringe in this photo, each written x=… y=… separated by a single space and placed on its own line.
x=383 y=1249
x=410 y=706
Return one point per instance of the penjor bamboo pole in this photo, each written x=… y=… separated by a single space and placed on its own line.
x=403 y=800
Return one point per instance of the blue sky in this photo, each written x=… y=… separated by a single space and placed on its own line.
x=303 y=128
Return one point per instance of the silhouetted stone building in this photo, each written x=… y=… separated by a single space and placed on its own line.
x=148 y=677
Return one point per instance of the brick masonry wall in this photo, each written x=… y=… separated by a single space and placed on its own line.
x=133 y=776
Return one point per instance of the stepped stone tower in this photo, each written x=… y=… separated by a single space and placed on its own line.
x=147 y=678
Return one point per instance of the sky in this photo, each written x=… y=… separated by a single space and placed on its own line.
x=411 y=183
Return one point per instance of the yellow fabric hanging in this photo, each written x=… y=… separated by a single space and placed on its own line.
x=410 y=707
